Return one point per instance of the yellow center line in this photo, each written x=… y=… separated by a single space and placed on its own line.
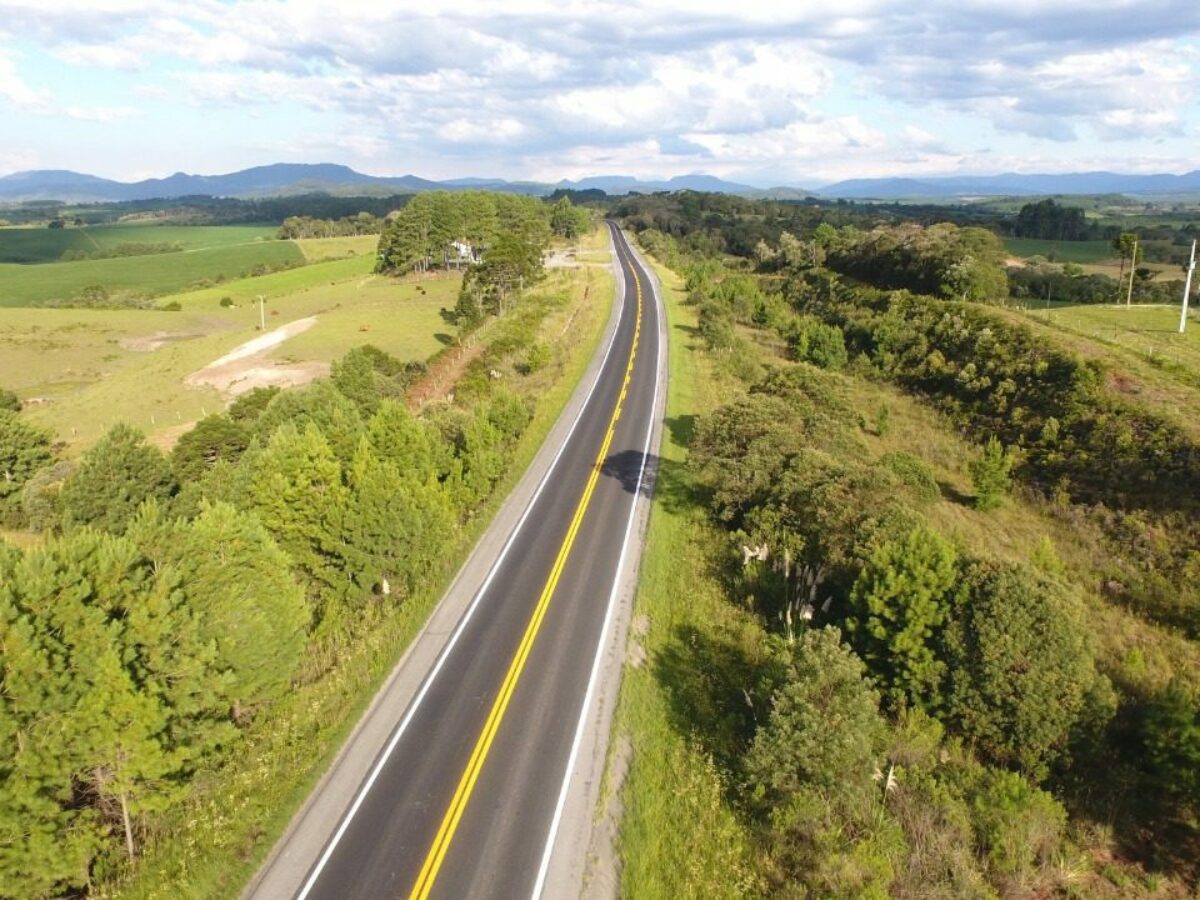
x=466 y=784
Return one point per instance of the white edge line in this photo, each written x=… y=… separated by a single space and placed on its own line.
x=415 y=704
x=597 y=662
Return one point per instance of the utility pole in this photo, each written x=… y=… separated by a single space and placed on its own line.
x=262 y=313
x=1187 y=289
x=1132 y=269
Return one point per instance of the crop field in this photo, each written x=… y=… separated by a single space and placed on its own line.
x=82 y=370
x=1060 y=251
x=154 y=275
x=42 y=245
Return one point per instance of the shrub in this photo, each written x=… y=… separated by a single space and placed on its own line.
x=914 y=474
x=9 y=400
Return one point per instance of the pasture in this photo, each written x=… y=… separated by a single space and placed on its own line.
x=44 y=245
x=82 y=370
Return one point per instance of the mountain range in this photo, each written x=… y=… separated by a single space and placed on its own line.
x=297 y=178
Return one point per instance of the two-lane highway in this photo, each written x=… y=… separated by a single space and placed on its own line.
x=464 y=798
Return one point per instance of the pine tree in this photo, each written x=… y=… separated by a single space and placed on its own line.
x=296 y=490
x=899 y=603
x=990 y=475
x=24 y=449
x=238 y=587
x=113 y=479
x=400 y=438
x=354 y=375
x=210 y=440
x=321 y=404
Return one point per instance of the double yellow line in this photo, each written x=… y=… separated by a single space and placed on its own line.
x=466 y=784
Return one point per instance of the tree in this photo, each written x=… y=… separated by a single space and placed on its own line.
x=899 y=604
x=354 y=375
x=321 y=404
x=249 y=406
x=210 y=440
x=24 y=449
x=239 y=586
x=566 y=219
x=113 y=479
x=296 y=490
x=400 y=438
x=1171 y=736
x=990 y=474
x=1020 y=672
x=9 y=401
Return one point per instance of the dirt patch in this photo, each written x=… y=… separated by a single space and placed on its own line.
x=246 y=367
x=443 y=374
x=562 y=259
x=152 y=342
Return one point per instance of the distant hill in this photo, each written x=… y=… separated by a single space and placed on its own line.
x=1013 y=184
x=297 y=178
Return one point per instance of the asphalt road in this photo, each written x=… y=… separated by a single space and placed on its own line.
x=461 y=800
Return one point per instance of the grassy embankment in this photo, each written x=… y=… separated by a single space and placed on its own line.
x=1149 y=360
x=211 y=845
x=682 y=834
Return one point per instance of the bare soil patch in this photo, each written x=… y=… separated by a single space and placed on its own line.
x=246 y=367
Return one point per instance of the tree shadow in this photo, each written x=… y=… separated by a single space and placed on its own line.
x=448 y=316
x=712 y=687
x=952 y=494
x=682 y=428
x=626 y=467
x=446 y=340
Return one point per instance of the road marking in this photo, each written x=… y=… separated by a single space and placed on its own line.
x=466 y=784
x=415 y=705
x=597 y=661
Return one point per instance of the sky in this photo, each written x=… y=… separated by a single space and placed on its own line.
x=792 y=92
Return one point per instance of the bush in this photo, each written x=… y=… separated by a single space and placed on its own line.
x=24 y=449
x=226 y=302
x=914 y=474
x=9 y=400
x=1020 y=670
x=1019 y=826
x=812 y=341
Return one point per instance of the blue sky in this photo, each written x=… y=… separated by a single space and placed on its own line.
x=761 y=92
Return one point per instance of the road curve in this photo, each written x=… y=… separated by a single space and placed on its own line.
x=467 y=780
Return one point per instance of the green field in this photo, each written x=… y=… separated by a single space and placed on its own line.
x=1060 y=251
x=145 y=276
x=319 y=249
x=83 y=370
x=42 y=245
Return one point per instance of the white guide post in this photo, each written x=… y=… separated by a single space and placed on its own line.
x=1187 y=290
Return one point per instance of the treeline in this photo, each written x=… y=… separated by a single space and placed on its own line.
x=442 y=228
x=178 y=595
x=122 y=250
x=1069 y=283
x=294 y=227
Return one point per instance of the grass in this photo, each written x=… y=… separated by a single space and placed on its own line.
x=677 y=836
x=1060 y=251
x=321 y=249
x=43 y=245
x=142 y=276
x=212 y=844
x=83 y=372
x=1149 y=361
